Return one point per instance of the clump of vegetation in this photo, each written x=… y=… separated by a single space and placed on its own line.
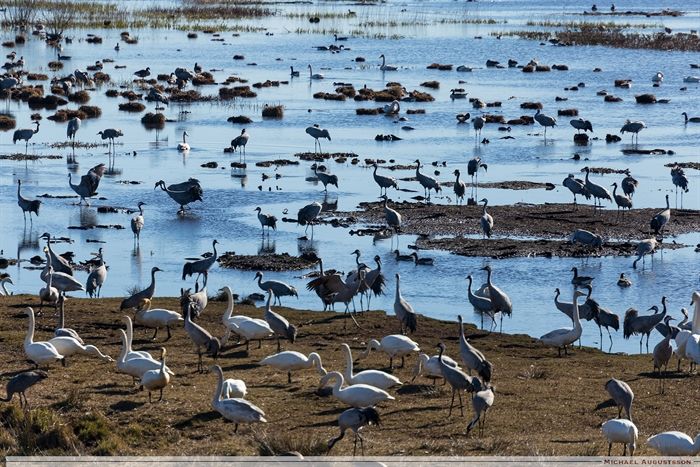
x=132 y=107
x=35 y=431
x=94 y=40
x=328 y=96
x=567 y=112
x=431 y=84
x=375 y=111
x=49 y=102
x=419 y=96
x=203 y=79
x=64 y=115
x=288 y=442
x=273 y=111
x=37 y=77
x=239 y=119
x=55 y=65
x=236 y=91
x=531 y=105
x=96 y=434
x=533 y=372
x=90 y=111
x=102 y=77
x=266 y=84
x=190 y=95
x=415 y=111
x=112 y=93
x=348 y=91
x=491 y=118
x=617 y=38
x=7 y=122
x=151 y=120
x=131 y=95
x=439 y=66
x=645 y=99
x=80 y=97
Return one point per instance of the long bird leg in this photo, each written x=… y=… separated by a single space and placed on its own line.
x=289 y=373
x=452 y=403
x=154 y=335
x=461 y=405
x=168 y=329
x=161 y=395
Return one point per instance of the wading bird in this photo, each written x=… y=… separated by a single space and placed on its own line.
x=25 y=134
x=500 y=302
x=200 y=267
x=354 y=419
x=20 y=383
x=88 y=183
x=240 y=141
x=577 y=187
x=545 y=121
x=316 y=133
x=182 y=193
x=28 y=205
x=137 y=223
x=633 y=127
x=279 y=289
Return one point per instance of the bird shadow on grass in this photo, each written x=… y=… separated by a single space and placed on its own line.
x=422 y=389
x=200 y=417
x=336 y=411
x=570 y=441
x=667 y=375
x=238 y=354
x=273 y=386
x=126 y=406
x=241 y=366
x=418 y=409
x=10 y=374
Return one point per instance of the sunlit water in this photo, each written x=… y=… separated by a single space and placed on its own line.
x=227 y=212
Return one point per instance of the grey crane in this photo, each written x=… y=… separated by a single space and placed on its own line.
x=663 y=351
x=199 y=336
x=622 y=201
x=59 y=263
x=404 y=311
x=316 y=133
x=642 y=325
x=580 y=281
x=481 y=304
x=143 y=73
x=320 y=285
x=266 y=220
x=200 y=267
x=473 y=167
x=680 y=181
x=325 y=178
x=240 y=141
x=598 y=192
x=72 y=129
x=478 y=123
x=545 y=121
x=577 y=187
x=182 y=193
x=345 y=291
x=659 y=221
x=383 y=181
x=486 y=220
x=375 y=281
x=28 y=205
x=473 y=359
x=279 y=323
x=97 y=277
x=199 y=300
x=392 y=217
x=88 y=183
x=279 y=288
x=137 y=223
x=645 y=247
x=460 y=188
x=500 y=302
x=308 y=214
x=585 y=237
x=633 y=127
x=622 y=396
x=20 y=383
x=481 y=403
x=111 y=134
x=457 y=379
x=354 y=419
x=607 y=319
x=581 y=124
x=137 y=299
x=629 y=184
x=427 y=182
x=25 y=134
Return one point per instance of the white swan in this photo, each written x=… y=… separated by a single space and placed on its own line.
x=565 y=336
x=157 y=319
x=430 y=366
x=61 y=329
x=692 y=344
x=39 y=352
x=135 y=366
x=234 y=410
x=394 y=345
x=48 y=293
x=251 y=330
x=691 y=79
x=375 y=378
x=234 y=388
x=619 y=430
x=313 y=75
x=130 y=353
x=184 y=146
x=3 y=290
x=658 y=77
x=675 y=443
x=156 y=379
x=357 y=395
x=290 y=360
x=69 y=346
x=384 y=66
x=393 y=108
x=229 y=320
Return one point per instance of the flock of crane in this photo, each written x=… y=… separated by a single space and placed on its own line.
x=362 y=392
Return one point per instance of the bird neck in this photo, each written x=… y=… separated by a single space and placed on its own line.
x=219 y=387
x=18 y=188
x=575 y=316
x=125 y=348
x=338 y=384
x=162 y=364
x=269 y=301
x=398 y=288
x=140 y=210
x=61 y=315
x=229 y=304
x=348 y=364
x=667 y=205
x=29 y=338
x=214 y=248
x=129 y=333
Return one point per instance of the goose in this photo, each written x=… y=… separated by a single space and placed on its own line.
x=357 y=395
x=156 y=379
x=234 y=410
x=624 y=281
x=157 y=318
x=376 y=378
x=290 y=360
x=292 y=72
x=394 y=345
x=48 y=293
x=622 y=431
x=137 y=365
x=486 y=220
x=430 y=366
x=278 y=323
x=228 y=317
x=69 y=346
x=313 y=75
x=674 y=443
x=565 y=336
x=384 y=66
x=41 y=353
x=400 y=257
x=184 y=146
x=580 y=281
x=422 y=261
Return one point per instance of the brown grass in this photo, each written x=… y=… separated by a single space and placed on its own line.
x=543 y=404
x=132 y=107
x=273 y=111
x=91 y=111
x=7 y=122
x=151 y=120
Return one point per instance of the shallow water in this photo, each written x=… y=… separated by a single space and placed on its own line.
x=227 y=212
